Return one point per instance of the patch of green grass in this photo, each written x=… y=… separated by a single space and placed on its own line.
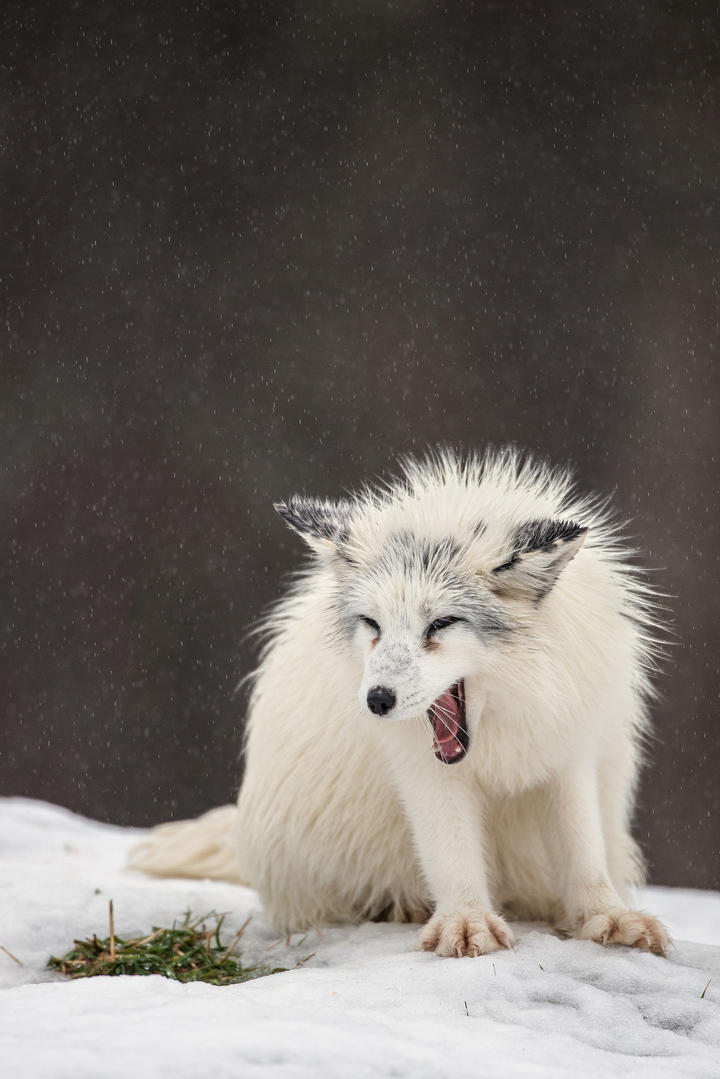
x=189 y=952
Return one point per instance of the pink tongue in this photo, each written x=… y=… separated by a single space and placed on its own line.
x=445 y=717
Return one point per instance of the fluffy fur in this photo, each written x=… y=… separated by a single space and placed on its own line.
x=488 y=573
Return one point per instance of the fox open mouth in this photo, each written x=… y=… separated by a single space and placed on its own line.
x=447 y=716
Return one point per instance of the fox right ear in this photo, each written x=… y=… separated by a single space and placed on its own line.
x=322 y=524
x=539 y=551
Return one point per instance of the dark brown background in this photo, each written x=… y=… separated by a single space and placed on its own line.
x=250 y=250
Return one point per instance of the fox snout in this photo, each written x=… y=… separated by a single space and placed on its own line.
x=380 y=700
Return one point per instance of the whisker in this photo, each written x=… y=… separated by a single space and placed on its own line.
x=438 y=709
x=449 y=729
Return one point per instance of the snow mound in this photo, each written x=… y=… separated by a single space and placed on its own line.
x=367 y=1003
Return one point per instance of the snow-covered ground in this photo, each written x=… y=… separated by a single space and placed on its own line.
x=367 y=1004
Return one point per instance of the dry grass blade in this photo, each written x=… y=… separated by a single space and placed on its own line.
x=13 y=957
x=112 y=932
x=239 y=933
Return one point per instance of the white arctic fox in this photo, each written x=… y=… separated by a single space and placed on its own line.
x=447 y=717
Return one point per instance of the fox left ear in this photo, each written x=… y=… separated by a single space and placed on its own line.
x=540 y=551
x=323 y=525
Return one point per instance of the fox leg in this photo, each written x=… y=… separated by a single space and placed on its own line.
x=445 y=816
x=594 y=910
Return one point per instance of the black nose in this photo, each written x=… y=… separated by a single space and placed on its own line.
x=380 y=700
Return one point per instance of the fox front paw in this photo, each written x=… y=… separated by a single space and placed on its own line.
x=466 y=932
x=633 y=928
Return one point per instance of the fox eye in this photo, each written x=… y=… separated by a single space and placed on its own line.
x=440 y=623
x=371 y=623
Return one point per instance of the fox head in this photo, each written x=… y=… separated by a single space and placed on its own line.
x=434 y=576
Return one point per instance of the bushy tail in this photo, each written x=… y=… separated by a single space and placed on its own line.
x=191 y=848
